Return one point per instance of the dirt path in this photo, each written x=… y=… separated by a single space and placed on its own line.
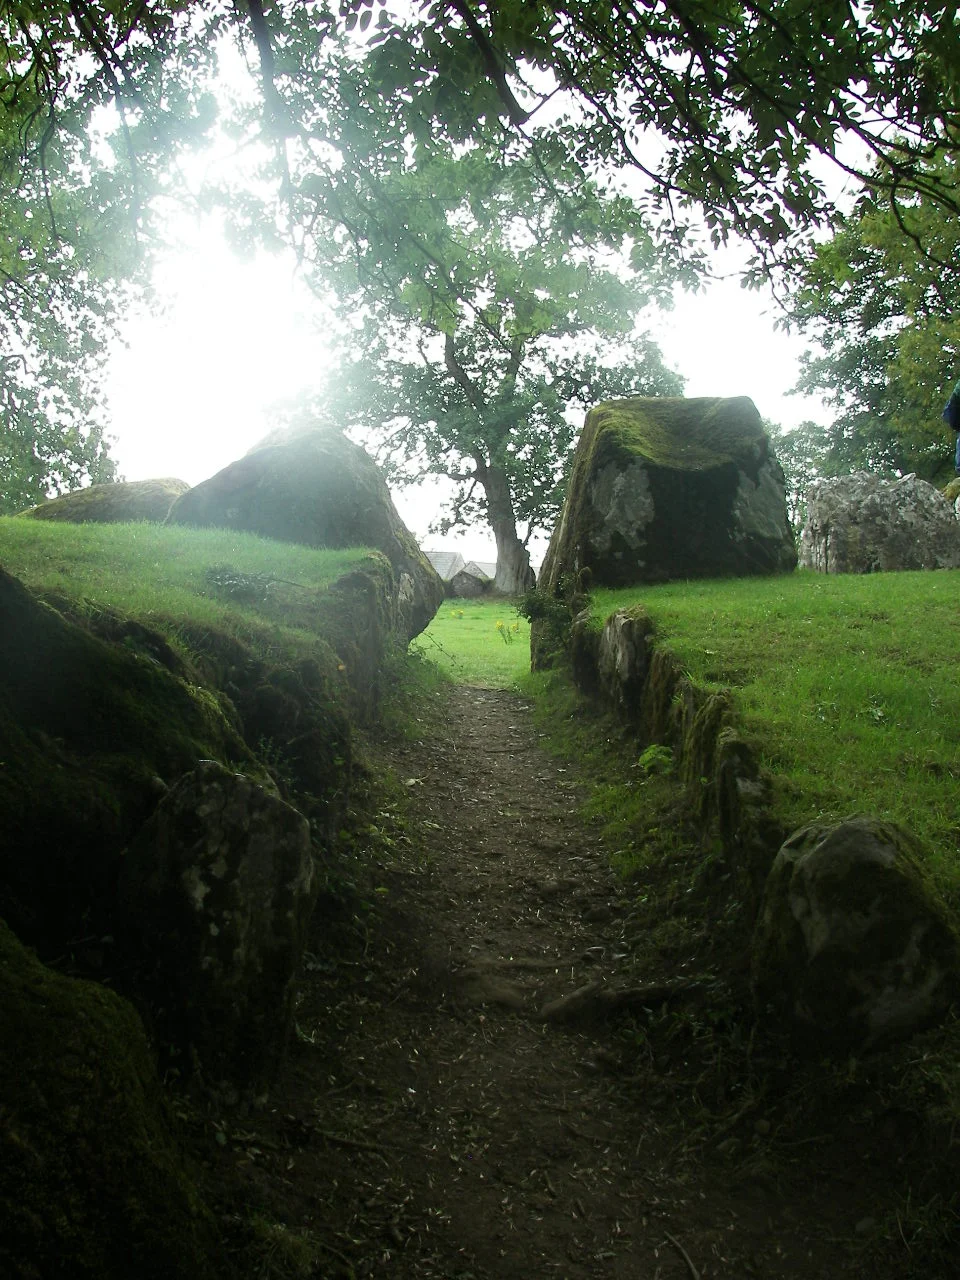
x=435 y=1124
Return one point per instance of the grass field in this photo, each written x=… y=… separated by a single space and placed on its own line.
x=847 y=686
x=262 y=592
x=482 y=642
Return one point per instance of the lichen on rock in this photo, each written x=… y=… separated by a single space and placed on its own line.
x=850 y=949
x=216 y=894
x=863 y=523
x=664 y=488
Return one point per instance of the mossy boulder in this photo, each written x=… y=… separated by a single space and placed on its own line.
x=91 y=735
x=318 y=488
x=114 y=503
x=850 y=948
x=92 y=1183
x=667 y=488
x=216 y=892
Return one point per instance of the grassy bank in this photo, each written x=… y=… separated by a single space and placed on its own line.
x=846 y=685
x=265 y=594
x=482 y=642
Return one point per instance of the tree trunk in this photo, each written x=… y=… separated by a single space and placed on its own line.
x=514 y=575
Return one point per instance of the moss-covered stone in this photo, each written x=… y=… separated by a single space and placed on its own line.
x=667 y=488
x=216 y=893
x=114 y=503
x=359 y=620
x=92 y=1183
x=850 y=949
x=91 y=733
x=623 y=659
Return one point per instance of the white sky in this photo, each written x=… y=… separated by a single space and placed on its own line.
x=192 y=389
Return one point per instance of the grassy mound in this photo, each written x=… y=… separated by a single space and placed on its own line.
x=267 y=595
x=845 y=686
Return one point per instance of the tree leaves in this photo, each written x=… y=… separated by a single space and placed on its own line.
x=879 y=298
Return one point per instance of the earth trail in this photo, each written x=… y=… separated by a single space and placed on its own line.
x=434 y=1124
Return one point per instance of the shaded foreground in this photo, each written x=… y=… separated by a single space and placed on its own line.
x=434 y=1123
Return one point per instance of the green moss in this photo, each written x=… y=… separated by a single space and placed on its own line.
x=682 y=434
x=113 y=503
x=89 y=734
x=92 y=1184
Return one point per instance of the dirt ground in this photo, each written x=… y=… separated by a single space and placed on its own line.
x=452 y=1110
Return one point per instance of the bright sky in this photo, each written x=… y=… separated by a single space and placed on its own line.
x=193 y=388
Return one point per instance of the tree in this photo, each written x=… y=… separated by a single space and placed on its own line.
x=84 y=142
x=804 y=454
x=475 y=341
x=879 y=299
x=726 y=108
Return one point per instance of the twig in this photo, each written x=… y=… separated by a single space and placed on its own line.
x=338 y=1140
x=335 y=1253
x=683 y=1253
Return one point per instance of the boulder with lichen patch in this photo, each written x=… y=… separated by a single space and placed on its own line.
x=667 y=488
x=217 y=891
x=862 y=523
x=114 y=503
x=318 y=488
x=850 y=948
x=92 y=1183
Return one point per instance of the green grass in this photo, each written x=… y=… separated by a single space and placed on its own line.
x=465 y=642
x=264 y=593
x=847 y=686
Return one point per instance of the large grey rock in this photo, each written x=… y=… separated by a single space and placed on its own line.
x=864 y=524
x=668 y=488
x=218 y=889
x=318 y=488
x=850 y=949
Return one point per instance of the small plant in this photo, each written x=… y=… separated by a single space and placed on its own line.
x=506 y=634
x=655 y=760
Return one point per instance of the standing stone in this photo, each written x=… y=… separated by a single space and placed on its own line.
x=863 y=524
x=318 y=488
x=218 y=888
x=665 y=488
x=850 y=950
